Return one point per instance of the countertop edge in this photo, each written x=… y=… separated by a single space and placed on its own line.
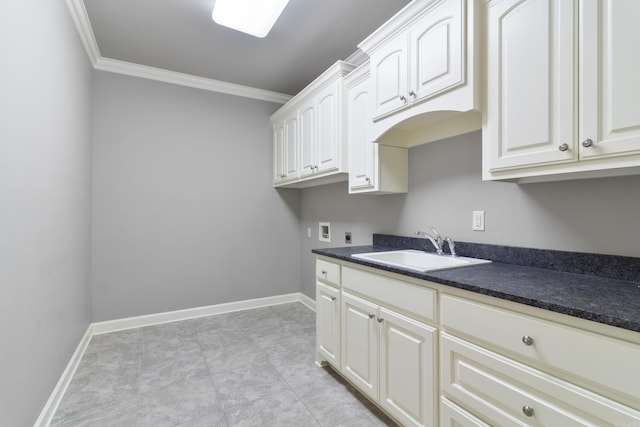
x=574 y=311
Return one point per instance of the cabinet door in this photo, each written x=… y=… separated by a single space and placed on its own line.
x=437 y=46
x=328 y=131
x=360 y=343
x=307 y=139
x=531 y=101
x=278 y=152
x=390 y=76
x=609 y=88
x=362 y=151
x=408 y=378
x=328 y=324
x=291 y=147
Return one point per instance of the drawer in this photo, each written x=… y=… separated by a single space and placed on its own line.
x=328 y=272
x=502 y=391
x=605 y=361
x=451 y=415
x=403 y=296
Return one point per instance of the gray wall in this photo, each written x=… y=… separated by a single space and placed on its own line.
x=445 y=186
x=45 y=158
x=184 y=211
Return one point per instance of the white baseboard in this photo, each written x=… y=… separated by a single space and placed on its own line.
x=307 y=301
x=191 y=313
x=50 y=408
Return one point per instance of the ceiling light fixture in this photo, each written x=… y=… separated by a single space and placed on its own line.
x=254 y=17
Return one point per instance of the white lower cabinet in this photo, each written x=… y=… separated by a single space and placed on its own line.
x=510 y=368
x=483 y=361
x=328 y=324
x=391 y=358
x=505 y=392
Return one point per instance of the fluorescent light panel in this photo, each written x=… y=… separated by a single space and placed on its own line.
x=254 y=17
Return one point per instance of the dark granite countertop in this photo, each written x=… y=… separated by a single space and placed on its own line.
x=600 y=299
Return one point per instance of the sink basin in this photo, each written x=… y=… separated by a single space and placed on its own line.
x=415 y=260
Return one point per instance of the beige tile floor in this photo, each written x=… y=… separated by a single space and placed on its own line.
x=248 y=368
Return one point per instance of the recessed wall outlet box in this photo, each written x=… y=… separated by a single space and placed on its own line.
x=324 y=232
x=347 y=237
x=478 y=221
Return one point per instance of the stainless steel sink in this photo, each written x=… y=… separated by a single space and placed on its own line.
x=415 y=260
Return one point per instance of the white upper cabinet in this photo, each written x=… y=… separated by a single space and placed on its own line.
x=609 y=89
x=319 y=146
x=307 y=138
x=373 y=168
x=561 y=94
x=423 y=60
x=285 y=149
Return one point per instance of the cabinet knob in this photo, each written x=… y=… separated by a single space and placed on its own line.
x=371 y=315
x=380 y=319
x=366 y=178
x=403 y=98
x=563 y=147
x=324 y=272
x=412 y=93
x=527 y=340
x=587 y=143
x=333 y=298
x=527 y=410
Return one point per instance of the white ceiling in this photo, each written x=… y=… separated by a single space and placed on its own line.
x=180 y=36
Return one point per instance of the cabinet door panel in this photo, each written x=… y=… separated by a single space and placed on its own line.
x=610 y=66
x=360 y=343
x=328 y=323
x=291 y=148
x=390 y=76
x=407 y=369
x=437 y=47
x=530 y=83
x=328 y=133
x=361 y=148
x=278 y=152
x=307 y=139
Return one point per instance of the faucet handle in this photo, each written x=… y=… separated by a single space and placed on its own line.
x=437 y=236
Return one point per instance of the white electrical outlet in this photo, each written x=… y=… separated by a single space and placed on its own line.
x=478 y=221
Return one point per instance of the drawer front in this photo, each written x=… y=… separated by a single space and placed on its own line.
x=602 y=360
x=405 y=297
x=328 y=272
x=504 y=392
x=451 y=415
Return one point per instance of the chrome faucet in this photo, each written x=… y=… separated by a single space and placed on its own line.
x=437 y=240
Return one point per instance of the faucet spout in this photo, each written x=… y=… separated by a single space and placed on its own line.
x=436 y=241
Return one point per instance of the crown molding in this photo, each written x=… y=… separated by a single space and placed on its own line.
x=83 y=25
x=182 y=79
x=85 y=30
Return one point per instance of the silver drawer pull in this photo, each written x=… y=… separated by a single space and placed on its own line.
x=563 y=147
x=371 y=315
x=527 y=340
x=527 y=410
x=380 y=319
x=324 y=272
x=333 y=298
